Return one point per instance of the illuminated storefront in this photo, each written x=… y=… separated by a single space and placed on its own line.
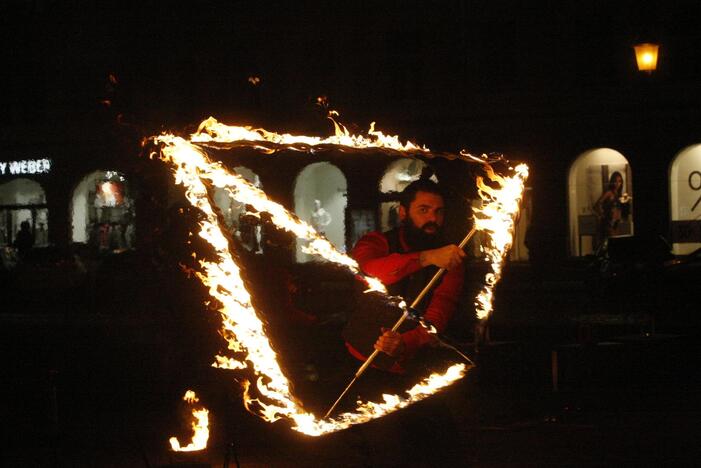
x=600 y=199
x=23 y=201
x=103 y=212
x=320 y=198
x=685 y=200
x=66 y=201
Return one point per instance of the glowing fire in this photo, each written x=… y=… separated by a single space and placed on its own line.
x=212 y=131
x=500 y=207
x=242 y=328
x=200 y=427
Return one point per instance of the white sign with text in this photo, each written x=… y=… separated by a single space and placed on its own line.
x=25 y=166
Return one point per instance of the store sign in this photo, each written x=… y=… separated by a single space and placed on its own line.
x=688 y=228
x=25 y=166
x=695 y=186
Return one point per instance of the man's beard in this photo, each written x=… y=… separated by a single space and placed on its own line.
x=418 y=239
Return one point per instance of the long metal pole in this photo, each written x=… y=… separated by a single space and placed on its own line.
x=401 y=320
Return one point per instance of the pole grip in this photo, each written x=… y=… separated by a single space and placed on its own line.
x=401 y=320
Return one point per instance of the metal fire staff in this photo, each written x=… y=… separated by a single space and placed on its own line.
x=407 y=313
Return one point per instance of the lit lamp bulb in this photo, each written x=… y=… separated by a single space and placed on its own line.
x=646 y=56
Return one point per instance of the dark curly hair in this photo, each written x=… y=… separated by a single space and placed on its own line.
x=422 y=185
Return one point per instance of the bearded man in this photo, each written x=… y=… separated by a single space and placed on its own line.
x=405 y=259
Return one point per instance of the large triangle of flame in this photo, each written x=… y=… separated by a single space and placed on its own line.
x=240 y=322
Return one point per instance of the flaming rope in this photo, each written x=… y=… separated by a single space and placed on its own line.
x=241 y=326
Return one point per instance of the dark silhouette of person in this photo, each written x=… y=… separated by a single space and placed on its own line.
x=25 y=239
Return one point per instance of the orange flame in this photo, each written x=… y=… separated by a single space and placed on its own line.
x=211 y=131
x=242 y=328
x=200 y=427
x=500 y=207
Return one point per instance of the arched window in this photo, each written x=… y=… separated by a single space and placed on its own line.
x=102 y=212
x=320 y=199
x=23 y=200
x=398 y=175
x=235 y=216
x=685 y=200
x=597 y=209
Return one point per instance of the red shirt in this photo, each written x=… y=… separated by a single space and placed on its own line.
x=373 y=255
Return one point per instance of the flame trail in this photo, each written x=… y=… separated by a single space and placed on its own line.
x=211 y=130
x=241 y=326
x=200 y=427
x=497 y=216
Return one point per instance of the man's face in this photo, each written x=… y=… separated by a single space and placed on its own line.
x=426 y=213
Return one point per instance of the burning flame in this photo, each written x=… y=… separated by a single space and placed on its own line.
x=242 y=328
x=200 y=427
x=211 y=131
x=500 y=207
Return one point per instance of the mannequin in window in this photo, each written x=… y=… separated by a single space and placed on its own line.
x=129 y=235
x=41 y=237
x=320 y=218
x=611 y=207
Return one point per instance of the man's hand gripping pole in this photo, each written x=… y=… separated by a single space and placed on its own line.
x=401 y=320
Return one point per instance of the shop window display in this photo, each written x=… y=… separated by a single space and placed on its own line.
x=600 y=200
x=685 y=200
x=23 y=201
x=320 y=197
x=103 y=214
x=398 y=175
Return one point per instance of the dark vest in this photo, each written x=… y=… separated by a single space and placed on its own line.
x=410 y=287
x=370 y=314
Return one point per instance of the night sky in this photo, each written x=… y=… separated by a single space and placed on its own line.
x=176 y=63
x=82 y=84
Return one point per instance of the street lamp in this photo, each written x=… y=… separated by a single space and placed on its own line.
x=646 y=56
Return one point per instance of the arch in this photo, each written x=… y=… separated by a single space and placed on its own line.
x=23 y=200
x=102 y=212
x=397 y=176
x=320 y=197
x=588 y=178
x=685 y=200
x=234 y=212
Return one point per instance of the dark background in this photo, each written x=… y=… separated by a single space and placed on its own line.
x=538 y=81
x=94 y=374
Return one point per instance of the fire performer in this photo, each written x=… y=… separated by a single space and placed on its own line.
x=405 y=259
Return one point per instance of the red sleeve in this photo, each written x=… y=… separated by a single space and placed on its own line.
x=439 y=311
x=372 y=254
